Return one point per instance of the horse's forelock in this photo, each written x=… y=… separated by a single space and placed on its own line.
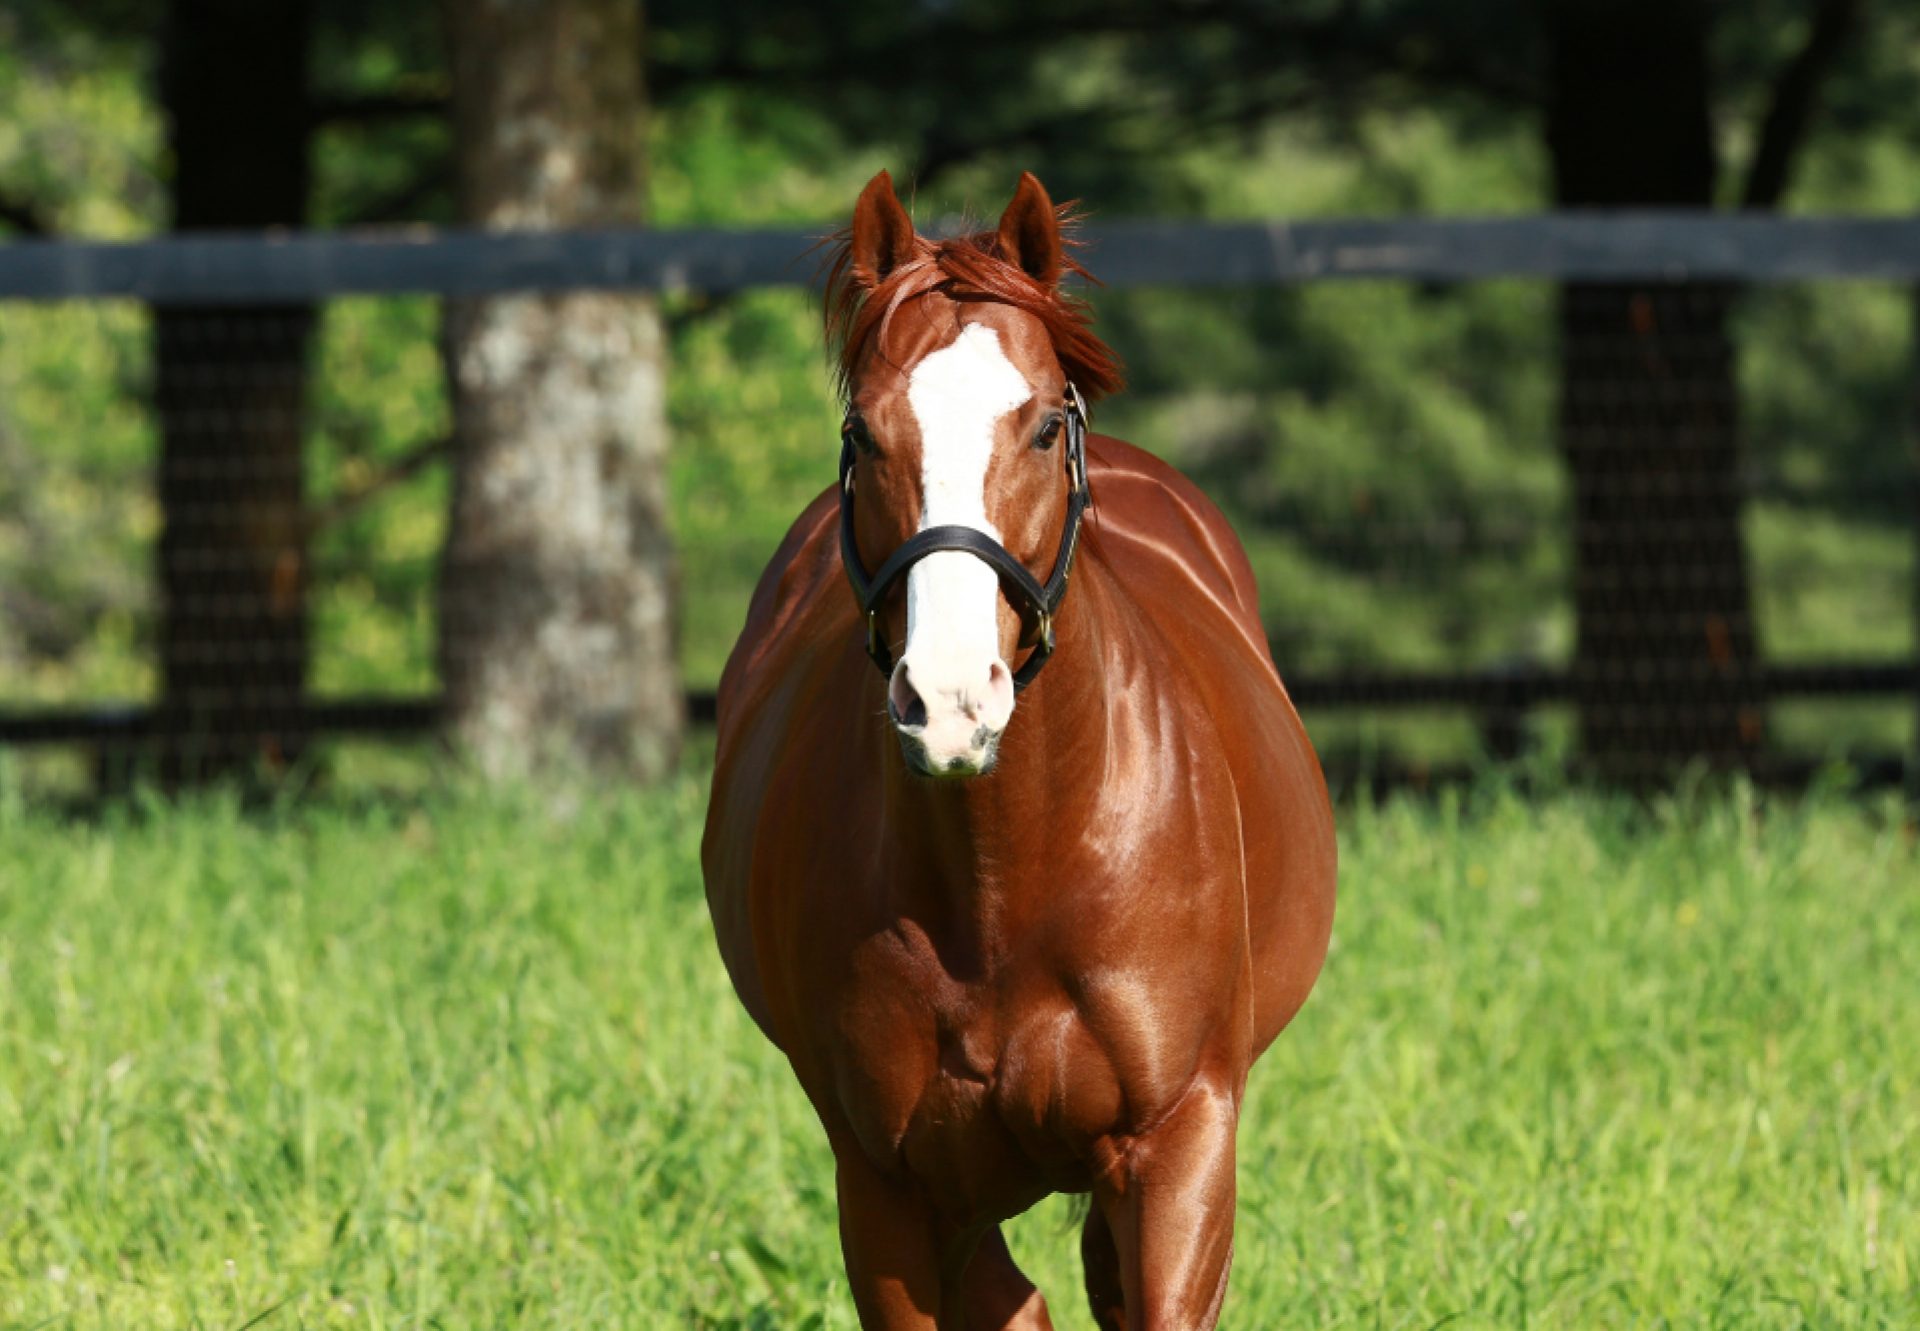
x=969 y=266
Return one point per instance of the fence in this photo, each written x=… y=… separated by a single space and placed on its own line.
x=1406 y=460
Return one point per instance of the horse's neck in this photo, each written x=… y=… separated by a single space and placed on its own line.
x=971 y=842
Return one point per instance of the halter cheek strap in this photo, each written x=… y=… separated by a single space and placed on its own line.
x=1036 y=602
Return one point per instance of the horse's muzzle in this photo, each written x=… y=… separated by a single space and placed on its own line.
x=948 y=727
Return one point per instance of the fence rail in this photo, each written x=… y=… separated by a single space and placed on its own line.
x=276 y=269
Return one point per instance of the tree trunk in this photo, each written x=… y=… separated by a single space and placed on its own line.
x=1649 y=412
x=230 y=386
x=557 y=641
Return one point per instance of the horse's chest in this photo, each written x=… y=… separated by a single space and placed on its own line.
x=962 y=1082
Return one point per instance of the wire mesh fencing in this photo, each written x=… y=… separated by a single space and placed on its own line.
x=1613 y=525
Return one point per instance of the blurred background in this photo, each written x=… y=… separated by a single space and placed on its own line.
x=398 y=402
x=1626 y=528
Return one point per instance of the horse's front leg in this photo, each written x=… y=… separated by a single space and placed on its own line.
x=892 y=1247
x=997 y=1294
x=1166 y=1201
x=910 y=1270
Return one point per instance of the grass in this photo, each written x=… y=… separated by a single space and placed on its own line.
x=458 y=1061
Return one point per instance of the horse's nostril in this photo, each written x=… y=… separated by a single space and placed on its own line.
x=904 y=699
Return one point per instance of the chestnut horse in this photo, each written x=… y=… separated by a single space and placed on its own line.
x=1008 y=956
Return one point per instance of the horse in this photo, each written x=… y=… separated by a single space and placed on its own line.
x=1011 y=955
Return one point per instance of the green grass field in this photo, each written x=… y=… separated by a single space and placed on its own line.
x=456 y=1061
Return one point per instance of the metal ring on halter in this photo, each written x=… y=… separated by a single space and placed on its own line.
x=1036 y=603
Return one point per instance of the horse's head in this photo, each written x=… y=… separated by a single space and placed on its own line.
x=958 y=361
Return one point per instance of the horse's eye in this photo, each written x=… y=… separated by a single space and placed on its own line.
x=854 y=431
x=1049 y=433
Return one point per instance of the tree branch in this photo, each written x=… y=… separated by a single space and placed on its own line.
x=1791 y=106
x=1330 y=57
x=345 y=505
x=407 y=202
x=947 y=148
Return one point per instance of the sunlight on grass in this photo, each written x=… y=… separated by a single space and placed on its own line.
x=457 y=1061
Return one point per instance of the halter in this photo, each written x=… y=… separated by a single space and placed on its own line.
x=1036 y=604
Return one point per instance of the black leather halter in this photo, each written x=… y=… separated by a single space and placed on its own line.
x=1035 y=603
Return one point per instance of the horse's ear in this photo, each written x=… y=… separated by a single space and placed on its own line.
x=882 y=232
x=1030 y=231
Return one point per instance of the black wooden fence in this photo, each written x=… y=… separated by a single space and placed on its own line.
x=269 y=270
x=1734 y=249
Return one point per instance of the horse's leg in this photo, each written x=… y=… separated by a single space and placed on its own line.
x=1100 y=1271
x=911 y=1272
x=892 y=1250
x=998 y=1295
x=1168 y=1203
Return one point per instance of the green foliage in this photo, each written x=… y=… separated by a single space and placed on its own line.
x=458 y=1060
x=378 y=397
x=751 y=375
x=79 y=135
x=1386 y=451
x=75 y=615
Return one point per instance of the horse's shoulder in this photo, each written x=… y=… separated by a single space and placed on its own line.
x=764 y=692
x=1175 y=561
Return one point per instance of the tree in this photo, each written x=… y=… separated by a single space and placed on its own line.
x=230 y=385
x=1649 y=409
x=1649 y=403
x=557 y=583
x=1649 y=418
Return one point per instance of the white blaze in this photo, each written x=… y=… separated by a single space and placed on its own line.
x=958 y=395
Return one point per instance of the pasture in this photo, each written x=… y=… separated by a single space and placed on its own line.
x=459 y=1061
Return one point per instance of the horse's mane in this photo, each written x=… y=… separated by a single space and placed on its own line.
x=968 y=267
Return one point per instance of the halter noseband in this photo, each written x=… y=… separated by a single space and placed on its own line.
x=1037 y=604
